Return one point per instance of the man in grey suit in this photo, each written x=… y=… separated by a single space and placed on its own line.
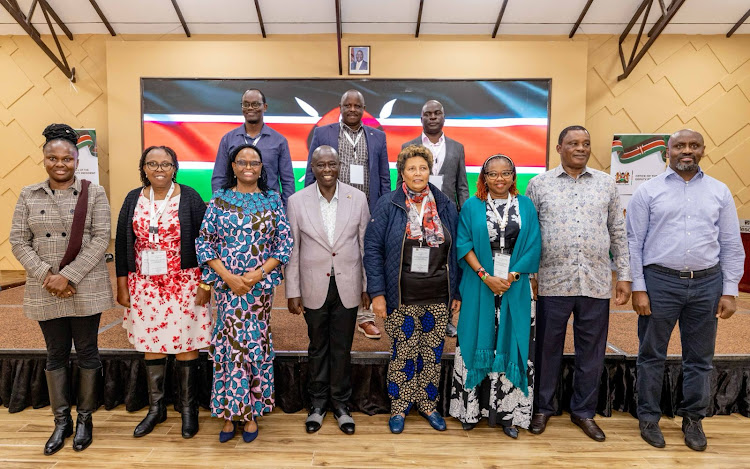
x=325 y=280
x=449 y=167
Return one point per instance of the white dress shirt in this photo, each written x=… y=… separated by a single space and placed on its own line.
x=328 y=211
x=438 y=152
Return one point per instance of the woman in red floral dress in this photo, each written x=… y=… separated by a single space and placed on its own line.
x=158 y=281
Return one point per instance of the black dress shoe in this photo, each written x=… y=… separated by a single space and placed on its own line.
x=589 y=427
x=538 y=423
x=468 y=426
x=511 y=432
x=695 y=439
x=651 y=433
x=344 y=419
x=314 y=420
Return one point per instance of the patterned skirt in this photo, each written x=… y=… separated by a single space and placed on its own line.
x=242 y=352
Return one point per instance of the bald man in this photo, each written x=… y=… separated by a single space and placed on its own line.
x=687 y=259
x=363 y=154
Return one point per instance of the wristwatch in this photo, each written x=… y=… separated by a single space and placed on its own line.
x=205 y=286
x=516 y=276
x=263 y=274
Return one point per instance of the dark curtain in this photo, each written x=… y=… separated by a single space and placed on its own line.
x=23 y=383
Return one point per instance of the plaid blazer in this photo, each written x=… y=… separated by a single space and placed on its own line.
x=39 y=233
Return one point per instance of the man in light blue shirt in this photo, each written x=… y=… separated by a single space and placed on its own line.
x=686 y=260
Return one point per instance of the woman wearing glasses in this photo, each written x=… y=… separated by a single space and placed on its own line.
x=243 y=242
x=158 y=281
x=499 y=245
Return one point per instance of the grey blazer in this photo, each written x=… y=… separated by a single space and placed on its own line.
x=42 y=222
x=308 y=272
x=453 y=170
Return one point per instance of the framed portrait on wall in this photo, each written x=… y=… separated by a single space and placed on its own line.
x=359 y=60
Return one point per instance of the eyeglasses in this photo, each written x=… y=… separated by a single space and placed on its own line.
x=495 y=174
x=153 y=166
x=323 y=166
x=254 y=105
x=244 y=164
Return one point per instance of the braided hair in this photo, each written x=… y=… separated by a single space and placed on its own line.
x=142 y=162
x=482 y=187
x=232 y=178
x=60 y=132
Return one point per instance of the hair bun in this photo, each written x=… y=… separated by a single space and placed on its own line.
x=60 y=132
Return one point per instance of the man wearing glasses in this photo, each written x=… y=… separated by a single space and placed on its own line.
x=581 y=223
x=275 y=149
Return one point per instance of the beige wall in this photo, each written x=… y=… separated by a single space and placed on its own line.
x=702 y=82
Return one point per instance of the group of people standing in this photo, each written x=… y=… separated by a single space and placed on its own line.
x=349 y=249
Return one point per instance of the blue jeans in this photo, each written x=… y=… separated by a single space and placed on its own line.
x=692 y=302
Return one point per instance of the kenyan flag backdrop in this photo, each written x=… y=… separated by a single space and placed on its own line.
x=486 y=116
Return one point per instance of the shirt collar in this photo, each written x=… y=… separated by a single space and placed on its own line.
x=335 y=194
x=265 y=130
x=669 y=172
x=426 y=141
x=559 y=171
x=346 y=128
x=44 y=185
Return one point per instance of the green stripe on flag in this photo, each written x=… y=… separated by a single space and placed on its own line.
x=200 y=180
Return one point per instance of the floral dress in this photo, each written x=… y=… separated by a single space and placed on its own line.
x=163 y=316
x=496 y=398
x=243 y=230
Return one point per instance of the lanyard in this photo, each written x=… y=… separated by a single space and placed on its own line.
x=153 y=224
x=354 y=142
x=503 y=222
x=255 y=142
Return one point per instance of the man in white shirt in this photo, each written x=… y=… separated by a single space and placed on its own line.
x=325 y=281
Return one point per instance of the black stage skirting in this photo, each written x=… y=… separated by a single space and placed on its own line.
x=23 y=384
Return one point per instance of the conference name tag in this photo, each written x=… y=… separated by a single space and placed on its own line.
x=420 y=260
x=356 y=174
x=154 y=262
x=501 y=265
x=437 y=181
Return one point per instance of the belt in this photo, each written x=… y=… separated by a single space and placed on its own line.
x=684 y=274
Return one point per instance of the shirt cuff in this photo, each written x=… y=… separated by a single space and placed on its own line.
x=730 y=289
x=72 y=276
x=41 y=271
x=638 y=285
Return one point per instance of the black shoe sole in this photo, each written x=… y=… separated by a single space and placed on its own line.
x=655 y=444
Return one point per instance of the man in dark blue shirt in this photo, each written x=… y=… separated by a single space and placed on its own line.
x=273 y=146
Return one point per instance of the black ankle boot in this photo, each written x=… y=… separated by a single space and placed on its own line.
x=188 y=374
x=59 y=390
x=87 y=403
x=157 y=410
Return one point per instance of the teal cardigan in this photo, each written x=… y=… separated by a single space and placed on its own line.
x=484 y=350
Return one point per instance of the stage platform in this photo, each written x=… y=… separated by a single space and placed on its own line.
x=22 y=362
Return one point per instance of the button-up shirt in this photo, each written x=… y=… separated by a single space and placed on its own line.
x=277 y=160
x=581 y=222
x=349 y=155
x=328 y=212
x=438 y=152
x=685 y=225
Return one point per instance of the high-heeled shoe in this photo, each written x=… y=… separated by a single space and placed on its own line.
x=248 y=437
x=511 y=432
x=226 y=436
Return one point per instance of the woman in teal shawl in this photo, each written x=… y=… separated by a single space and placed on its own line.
x=498 y=232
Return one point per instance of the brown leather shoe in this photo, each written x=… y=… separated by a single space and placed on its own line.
x=589 y=427
x=369 y=330
x=538 y=423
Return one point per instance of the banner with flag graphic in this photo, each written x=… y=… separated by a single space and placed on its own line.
x=486 y=116
x=636 y=158
x=88 y=160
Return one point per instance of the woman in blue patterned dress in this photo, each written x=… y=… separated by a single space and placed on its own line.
x=243 y=241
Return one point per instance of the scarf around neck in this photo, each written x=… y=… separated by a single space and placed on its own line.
x=433 y=228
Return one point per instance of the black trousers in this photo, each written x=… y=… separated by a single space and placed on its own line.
x=82 y=331
x=331 y=331
x=590 y=325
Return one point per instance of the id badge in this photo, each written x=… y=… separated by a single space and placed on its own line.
x=357 y=174
x=437 y=181
x=420 y=260
x=501 y=265
x=154 y=261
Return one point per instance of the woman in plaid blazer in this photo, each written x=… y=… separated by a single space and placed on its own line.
x=67 y=302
